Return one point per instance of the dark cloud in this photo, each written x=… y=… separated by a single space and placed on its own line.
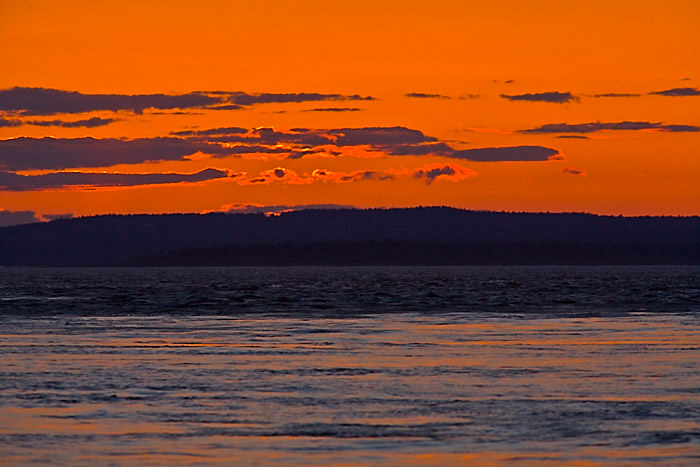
x=421 y=95
x=678 y=92
x=4 y=122
x=15 y=182
x=379 y=136
x=432 y=174
x=242 y=98
x=599 y=126
x=178 y=112
x=347 y=177
x=226 y=107
x=616 y=94
x=306 y=152
x=365 y=175
x=58 y=154
x=252 y=149
x=55 y=153
x=553 y=97
x=272 y=137
x=508 y=154
x=396 y=141
x=469 y=96
x=573 y=137
x=450 y=172
x=46 y=101
x=680 y=128
x=276 y=175
x=333 y=109
x=89 y=123
x=301 y=141
x=231 y=130
x=572 y=171
x=8 y=218
x=420 y=149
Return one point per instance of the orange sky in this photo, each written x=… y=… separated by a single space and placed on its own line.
x=471 y=52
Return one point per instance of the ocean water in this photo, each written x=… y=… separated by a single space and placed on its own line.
x=348 y=366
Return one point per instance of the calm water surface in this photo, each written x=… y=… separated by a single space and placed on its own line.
x=377 y=366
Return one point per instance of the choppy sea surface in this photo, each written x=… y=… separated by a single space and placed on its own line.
x=374 y=366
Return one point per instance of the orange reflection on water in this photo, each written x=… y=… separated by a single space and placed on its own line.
x=387 y=390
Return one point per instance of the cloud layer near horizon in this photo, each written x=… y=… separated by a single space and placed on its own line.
x=448 y=172
x=10 y=181
x=8 y=218
x=67 y=153
x=276 y=209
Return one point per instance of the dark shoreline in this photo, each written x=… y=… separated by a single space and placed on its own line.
x=390 y=253
x=428 y=236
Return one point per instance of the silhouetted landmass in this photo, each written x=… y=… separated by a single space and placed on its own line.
x=435 y=235
x=372 y=253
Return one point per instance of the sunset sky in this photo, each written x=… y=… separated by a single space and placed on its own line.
x=153 y=107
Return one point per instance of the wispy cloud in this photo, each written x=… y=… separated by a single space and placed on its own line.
x=242 y=98
x=678 y=92
x=47 y=101
x=64 y=153
x=422 y=95
x=572 y=171
x=616 y=94
x=610 y=126
x=554 y=97
x=334 y=109
x=346 y=177
x=60 y=180
x=87 y=123
x=231 y=130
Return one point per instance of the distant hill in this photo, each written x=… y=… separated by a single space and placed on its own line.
x=431 y=235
